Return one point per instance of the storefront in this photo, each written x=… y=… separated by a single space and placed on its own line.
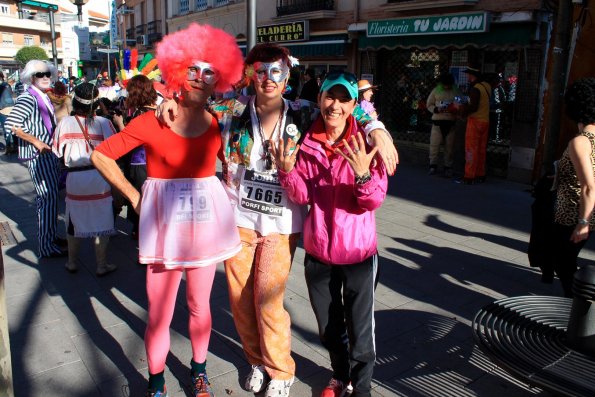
x=406 y=55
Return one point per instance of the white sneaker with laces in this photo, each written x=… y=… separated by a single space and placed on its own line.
x=255 y=381
x=279 y=388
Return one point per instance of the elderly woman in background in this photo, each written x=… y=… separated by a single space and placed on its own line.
x=89 y=210
x=573 y=216
x=33 y=121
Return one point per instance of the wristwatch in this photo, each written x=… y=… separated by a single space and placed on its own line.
x=583 y=221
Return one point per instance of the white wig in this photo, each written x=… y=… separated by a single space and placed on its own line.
x=34 y=66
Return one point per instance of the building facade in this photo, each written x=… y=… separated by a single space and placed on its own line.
x=402 y=45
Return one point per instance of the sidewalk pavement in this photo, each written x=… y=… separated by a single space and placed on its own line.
x=446 y=251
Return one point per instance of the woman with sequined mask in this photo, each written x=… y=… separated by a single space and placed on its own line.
x=269 y=224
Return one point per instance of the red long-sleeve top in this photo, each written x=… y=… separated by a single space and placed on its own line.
x=169 y=155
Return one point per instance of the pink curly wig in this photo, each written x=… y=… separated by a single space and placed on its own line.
x=204 y=43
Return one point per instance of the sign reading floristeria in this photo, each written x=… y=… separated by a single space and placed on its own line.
x=291 y=31
x=442 y=24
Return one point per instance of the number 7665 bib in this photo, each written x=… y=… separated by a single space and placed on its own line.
x=261 y=192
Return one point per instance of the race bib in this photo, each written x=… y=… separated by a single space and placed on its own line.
x=192 y=204
x=261 y=192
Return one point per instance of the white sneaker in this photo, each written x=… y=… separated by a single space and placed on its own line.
x=255 y=381
x=279 y=388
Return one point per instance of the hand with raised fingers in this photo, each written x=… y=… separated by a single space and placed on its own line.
x=357 y=157
x=285 y=155
x=167 y=112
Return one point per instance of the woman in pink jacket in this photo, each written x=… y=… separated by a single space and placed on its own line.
x=333 y=174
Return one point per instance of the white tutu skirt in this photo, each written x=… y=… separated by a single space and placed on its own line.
x=186 y=223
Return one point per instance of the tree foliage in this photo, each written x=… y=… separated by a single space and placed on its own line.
x=28 y=53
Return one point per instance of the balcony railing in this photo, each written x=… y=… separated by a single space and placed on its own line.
x=154 y=27
x=289 y=7
x=219 y=3
x=140 y=29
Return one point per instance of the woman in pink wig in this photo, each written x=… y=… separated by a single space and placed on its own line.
x=186 y=221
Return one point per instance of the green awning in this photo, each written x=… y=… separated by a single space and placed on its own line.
x=518 y=34
x=328 y=45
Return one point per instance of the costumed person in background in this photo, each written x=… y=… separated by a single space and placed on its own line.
x=141 y=98
x=366 y=91
x=443 y=107
x=269 y=224
x=334 y=175
x=186 y=220
x=61 y=101
x=478 y=128
x=32 y=120
x=89 y=211
x=573 y=217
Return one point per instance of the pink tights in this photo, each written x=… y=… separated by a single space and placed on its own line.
x=162 y=289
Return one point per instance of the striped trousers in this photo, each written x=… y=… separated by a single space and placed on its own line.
x=44 y=174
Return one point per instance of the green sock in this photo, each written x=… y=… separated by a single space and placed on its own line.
x=197 y=368
x=157 y=381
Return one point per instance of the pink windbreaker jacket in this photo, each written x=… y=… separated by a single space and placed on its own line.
x=340 y=227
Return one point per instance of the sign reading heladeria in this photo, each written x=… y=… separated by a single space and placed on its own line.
x=290 y=31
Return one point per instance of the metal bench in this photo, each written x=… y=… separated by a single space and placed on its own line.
x=526 y=335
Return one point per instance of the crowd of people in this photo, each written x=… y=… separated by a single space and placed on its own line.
x=314 y=167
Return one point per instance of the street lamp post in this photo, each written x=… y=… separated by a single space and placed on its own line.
x=79 y=5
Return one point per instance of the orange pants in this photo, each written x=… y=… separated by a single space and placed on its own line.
x=476 y=146
x=256 y=278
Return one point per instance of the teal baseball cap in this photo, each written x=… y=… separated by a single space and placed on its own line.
x=346 y=79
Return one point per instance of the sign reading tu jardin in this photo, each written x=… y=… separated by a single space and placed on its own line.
x=291 y=31
x=443 y=24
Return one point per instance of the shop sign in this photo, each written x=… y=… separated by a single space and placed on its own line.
x=290 y=31
x=476 y=22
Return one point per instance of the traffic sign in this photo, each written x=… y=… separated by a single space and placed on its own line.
x=39 y=4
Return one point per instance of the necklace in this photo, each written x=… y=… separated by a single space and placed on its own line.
x=267 y=155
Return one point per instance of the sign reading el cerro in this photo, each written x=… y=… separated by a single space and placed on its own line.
x=443 y=24
x=291 y=31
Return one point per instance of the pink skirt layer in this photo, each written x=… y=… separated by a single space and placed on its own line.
x=186 y=223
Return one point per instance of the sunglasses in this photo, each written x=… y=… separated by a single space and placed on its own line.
x=350 y=77
x=40 y=75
